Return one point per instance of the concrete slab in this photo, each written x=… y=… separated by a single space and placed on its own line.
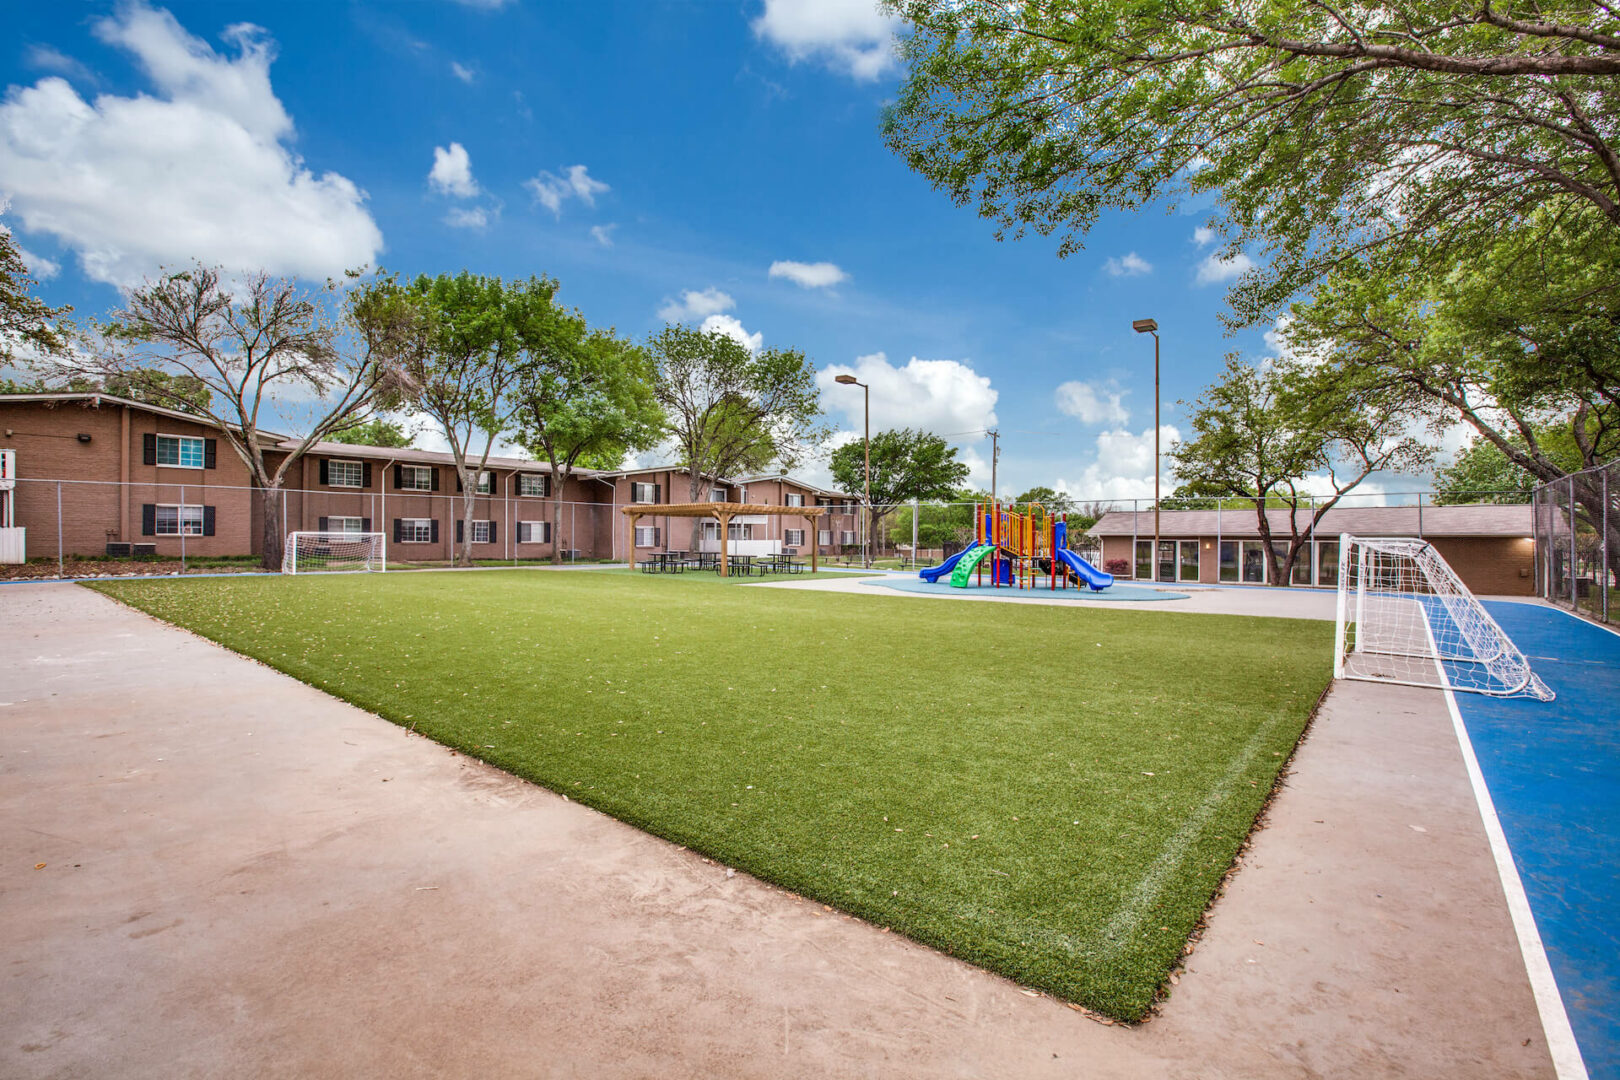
x=243 y=876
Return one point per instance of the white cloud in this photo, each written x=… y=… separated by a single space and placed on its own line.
x=1214 y=268
x=551 y=190
x=1131 y=265
x=1203 y=236
x=48 y=58
x=1123 y=466
x=461 y=217
x=452 y=172
x=201 y=170
x=732 y=328
x=463 y=72
x=852 y=36
x=38 y=265
x=946 y=397
x=819 y=275
x=1091 y=405
x=696 y=305
x=603 y=234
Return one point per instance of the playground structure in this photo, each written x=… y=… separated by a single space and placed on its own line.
x=1019 y=551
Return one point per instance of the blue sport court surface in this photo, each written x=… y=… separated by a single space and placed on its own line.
x=1553 y=770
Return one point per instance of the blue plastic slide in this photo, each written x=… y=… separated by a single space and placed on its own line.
x=934 y=573
x=1085 y=571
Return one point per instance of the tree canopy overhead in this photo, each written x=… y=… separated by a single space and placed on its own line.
x=1325 y=131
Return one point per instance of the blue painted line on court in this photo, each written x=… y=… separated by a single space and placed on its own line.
x=1553 y=770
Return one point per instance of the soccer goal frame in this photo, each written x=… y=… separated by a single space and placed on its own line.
x=309 y=552
x=1404 y=616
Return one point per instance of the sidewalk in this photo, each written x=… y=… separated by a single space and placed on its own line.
x=243 y=876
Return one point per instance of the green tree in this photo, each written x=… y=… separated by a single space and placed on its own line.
x=732 y=411
x=464 y=363
x=1482 y=473
x=906 y=465
x=375 y=432
x=1322 y=131
x=27 y=324
x=582 y=397
x=1258 y=432
x=944 y=524
x=1051 y=500
x=231 y=352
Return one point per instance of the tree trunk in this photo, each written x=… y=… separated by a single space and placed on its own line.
x=1275 y=576
x=271 y=536
x=469 y=492
x=556 y=517
x=695 y=489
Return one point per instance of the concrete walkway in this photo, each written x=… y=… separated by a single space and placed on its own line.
x=244 y=877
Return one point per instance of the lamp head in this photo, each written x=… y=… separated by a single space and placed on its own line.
x=1145 y=326
x=847 y=380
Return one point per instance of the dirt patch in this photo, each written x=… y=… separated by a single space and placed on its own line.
x=46 y=570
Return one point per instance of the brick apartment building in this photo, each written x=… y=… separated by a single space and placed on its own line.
x=132 y=476
x=1489 y=546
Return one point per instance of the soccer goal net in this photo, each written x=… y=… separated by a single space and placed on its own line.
x=307 y=552
x=1405 y=617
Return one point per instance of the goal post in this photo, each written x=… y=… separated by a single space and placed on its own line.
x=309 y=552
x=1404 y=616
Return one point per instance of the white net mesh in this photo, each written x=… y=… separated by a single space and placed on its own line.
x=308 y=552
x=1405 y=617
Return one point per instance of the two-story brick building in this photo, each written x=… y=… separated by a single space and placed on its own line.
x=133 y=477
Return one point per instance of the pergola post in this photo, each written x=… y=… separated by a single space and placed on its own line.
x=631 y=537
x=725 y=543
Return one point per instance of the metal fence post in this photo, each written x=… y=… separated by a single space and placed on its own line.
x=181 y=514
x=1605 y=567
x=1574 y=565
x=61 y=567
x=916 y=509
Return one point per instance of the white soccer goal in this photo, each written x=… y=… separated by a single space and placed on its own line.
x=307 y=552
x=1405 y=617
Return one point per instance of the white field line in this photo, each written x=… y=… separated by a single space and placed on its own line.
x=1561 y=1044
x=1175 y=850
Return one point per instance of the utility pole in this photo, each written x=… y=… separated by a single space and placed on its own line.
x=995 y=459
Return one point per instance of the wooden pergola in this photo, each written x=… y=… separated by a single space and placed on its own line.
x=725 y=511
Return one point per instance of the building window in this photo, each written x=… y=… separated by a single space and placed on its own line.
x=795 y=500
x=717 y=494
x=534 y=532
x=415 y=478
x=416 y=530
x=793 y=537
x=1188 y=567
x=646 y=536
x=180 y=451
x=1229 y=560
x=824 y=537
x=847 y=537
x=178 y=521
x=643 y=493
x=486 y=483
x=1327 y=562
x=345 y=474
x=740 y=530
x=483 y=532
x=1144 y=560
x=533 y=485
x=345 y=525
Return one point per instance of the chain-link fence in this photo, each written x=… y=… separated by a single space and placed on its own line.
x=76 y=528
x=1577 y=528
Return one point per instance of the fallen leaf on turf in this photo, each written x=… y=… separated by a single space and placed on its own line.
x=39 y=866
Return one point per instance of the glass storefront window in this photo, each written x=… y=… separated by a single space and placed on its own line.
x=1189 y=560
x=1229 y=560
x=1167 y=561
x=1254 y=563
x=1144 y=559
x=1327 y=563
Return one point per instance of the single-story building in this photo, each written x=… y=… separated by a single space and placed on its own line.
x=1491 y=547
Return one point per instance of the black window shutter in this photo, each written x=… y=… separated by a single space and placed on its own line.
x=326 y=478
x=458 y=481
x=433 y=529
x=435 y=475
x=321 y=524
x=399 y=530
x=399 y=477
x=365 y=524
x=658 y=537
x=148 y=517
x=459 y=524
x=210 y=455
x=208 y=521
x=149 y=449
x=365 y=475
x=658 y=493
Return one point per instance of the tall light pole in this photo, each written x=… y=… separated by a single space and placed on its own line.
x=866 y=439
x=1149 y=326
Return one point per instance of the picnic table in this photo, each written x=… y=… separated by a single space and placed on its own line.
x=664 y=562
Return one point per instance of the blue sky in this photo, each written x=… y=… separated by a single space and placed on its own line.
x=657 y=158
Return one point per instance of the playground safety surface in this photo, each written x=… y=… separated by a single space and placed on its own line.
x=1117 y=594
x=243 y=876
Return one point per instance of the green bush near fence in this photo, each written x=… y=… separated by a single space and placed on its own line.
x=1053 y=793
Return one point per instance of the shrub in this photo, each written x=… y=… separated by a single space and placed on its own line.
x=1118 y=567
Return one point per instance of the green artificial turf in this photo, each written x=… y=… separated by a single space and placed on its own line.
x=1053 y=793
